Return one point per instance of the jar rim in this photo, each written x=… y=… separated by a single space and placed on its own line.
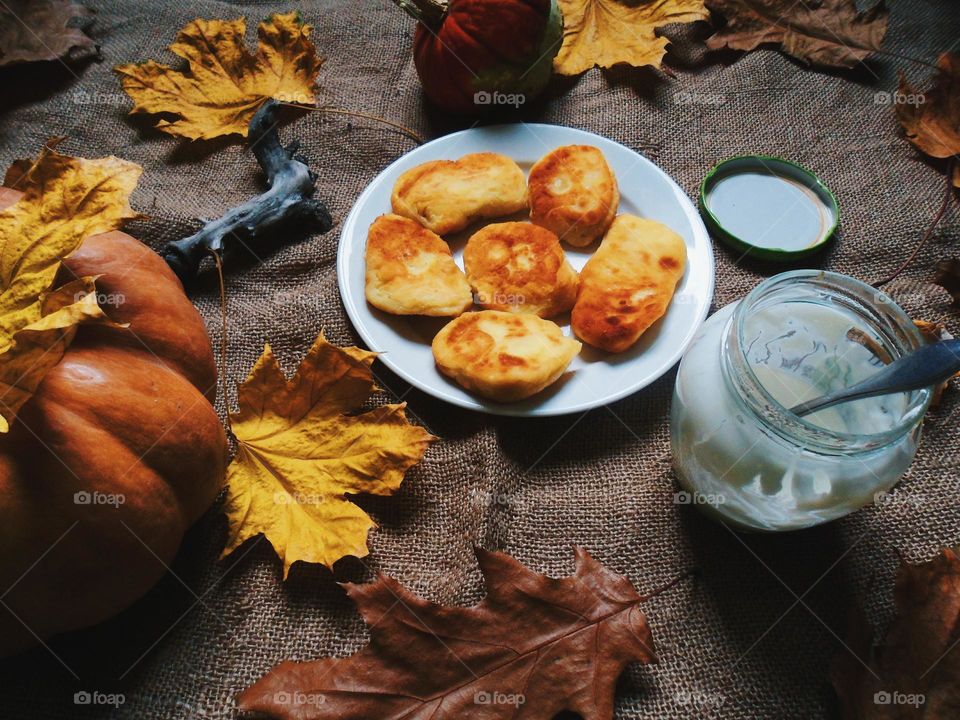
x=888 y=321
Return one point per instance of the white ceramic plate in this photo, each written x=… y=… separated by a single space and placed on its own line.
x=594 y=378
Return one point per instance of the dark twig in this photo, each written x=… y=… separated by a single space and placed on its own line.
x=926 y=236
x=288 y=201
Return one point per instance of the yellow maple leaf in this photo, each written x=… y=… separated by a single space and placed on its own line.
x=299 y=454
x=64 y=201
x=225 y=85
x=608 y=32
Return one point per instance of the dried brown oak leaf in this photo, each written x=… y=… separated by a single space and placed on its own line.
x=932 y=120
x=32 y=30
x=916 y=672
x=829 y=33
x=534 y=647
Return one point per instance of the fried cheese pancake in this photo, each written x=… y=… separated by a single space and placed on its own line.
x=628 y=283
x=503 y=356
x=573 y=193
x=447 y=195
x=410 y=270
x=520 y=267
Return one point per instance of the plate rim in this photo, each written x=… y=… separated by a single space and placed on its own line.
x=479 y=405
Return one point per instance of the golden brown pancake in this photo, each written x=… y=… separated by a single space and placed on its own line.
x=447 y=195
x=573 y=193
x=503 y=356
x=520 y=267
x=628 y=283
x=410 y=270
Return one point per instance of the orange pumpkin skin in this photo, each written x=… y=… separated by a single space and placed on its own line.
x=126 y=414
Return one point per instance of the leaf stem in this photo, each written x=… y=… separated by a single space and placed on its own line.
x=429 y=12
x=353 y=113
x=223 y=337
x=690 y=572
x=948 y=195
x=891 y=53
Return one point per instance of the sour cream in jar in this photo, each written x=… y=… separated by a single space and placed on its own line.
x=796 y=336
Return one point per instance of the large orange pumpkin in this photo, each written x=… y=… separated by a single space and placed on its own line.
x=114 y=457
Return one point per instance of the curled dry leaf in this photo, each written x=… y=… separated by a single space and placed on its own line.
x=931 y=119
x=65 y=200
x=948 y=277
x=829 y=33
x=608 y=32
x=299 y=454
x=225 y=84
x=32 y=30
x=533 y=648
x=915 y=673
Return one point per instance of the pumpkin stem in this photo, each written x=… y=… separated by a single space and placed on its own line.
x=288 y=201
x=429 y=12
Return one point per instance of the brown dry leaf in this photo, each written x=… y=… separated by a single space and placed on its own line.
x=32 y=30
x=299 y=454
x=533 y=648
x=948 y=277
x=932 y=120
x=829 y=33
x=915 y=673
x=608 y=32
x=225 y=84
x=65 y=200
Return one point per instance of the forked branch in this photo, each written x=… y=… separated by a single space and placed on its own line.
x=288 y=202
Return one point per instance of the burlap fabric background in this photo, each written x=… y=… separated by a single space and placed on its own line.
x=752 y=634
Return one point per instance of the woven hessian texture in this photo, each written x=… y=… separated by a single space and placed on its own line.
x=734 y=641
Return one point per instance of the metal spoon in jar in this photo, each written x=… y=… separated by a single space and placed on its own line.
x=930 y=365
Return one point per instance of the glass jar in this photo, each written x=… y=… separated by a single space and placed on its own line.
x=737 y=449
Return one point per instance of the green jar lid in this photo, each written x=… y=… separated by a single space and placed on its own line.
x=768 y=207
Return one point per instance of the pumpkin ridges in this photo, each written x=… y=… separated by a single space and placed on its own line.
x=100 y=567
x=163 y=320
x=103 y=568
x=484 y=22
x=157 y=415
x=486 y=45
